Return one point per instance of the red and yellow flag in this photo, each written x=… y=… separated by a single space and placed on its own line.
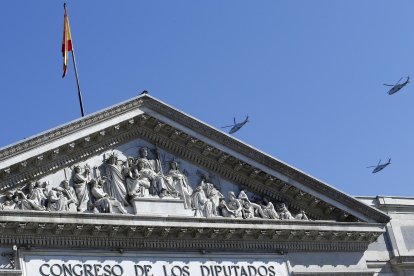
x=67 y=41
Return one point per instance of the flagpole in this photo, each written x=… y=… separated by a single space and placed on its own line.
x=65 y=48
x=77 y=82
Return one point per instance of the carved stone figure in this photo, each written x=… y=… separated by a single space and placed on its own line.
x=57 y=201
x=247 y=210
x=224 y=209
x=151 y=170
x=70 y=194
x=256 y=208
x=212 y=194
x=234 y=205
x=137 y=186
x=103 y=202
x=301 y=216
x=201 y=204
x=10 y=202
x=130 y=164
x=115 y=184
x=269 y=210
x=35 y=199
x=180 y=184
x=81 y=188
x=284 y=212
x=62 y=198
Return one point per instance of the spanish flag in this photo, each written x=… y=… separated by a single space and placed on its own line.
x=67 y=41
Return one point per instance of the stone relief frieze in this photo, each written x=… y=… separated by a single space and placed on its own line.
x=138 y=178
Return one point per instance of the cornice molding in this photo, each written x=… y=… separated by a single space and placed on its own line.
x=79 y=151
x=72 y=127
x=11 y=180
x=45 y=229
x=264 y=159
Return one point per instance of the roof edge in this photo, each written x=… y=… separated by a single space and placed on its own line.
x=202 y=128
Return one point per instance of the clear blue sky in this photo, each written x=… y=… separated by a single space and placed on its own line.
x=309 y=74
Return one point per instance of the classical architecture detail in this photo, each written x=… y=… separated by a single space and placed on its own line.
x=115 y=183
x=95 y=193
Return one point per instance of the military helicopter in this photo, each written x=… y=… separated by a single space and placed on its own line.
x=380 y=166
x=397 y=87
x=236 y=126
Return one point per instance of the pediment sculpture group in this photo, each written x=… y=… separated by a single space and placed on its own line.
x=115 y=184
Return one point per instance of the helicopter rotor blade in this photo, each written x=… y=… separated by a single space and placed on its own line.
x=371 y=167
x=227 y=126
x=388 y=84
x=398 y=81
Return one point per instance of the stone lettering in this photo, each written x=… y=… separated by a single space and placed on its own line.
x=147 y=270
x=41 y=269
x=243 y=272
x=97 y=268
x=218 y=269
x=272 y=271
x=79 y=272
x=117 y=270
x=262 y=270
x=186 y=270
x=236 y=272
x=204 y=270
x=176 y=270
x=56 y=270
x=67 y=270
x=143 y=270
x=107 y=270
x=87 y=268
x=252 y=270
x=172 y=269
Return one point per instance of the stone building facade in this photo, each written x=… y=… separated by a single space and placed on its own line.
x=142 y=188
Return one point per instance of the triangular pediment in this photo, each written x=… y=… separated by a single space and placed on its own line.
x=204 y=156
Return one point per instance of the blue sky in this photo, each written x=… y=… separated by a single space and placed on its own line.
x=309 y=74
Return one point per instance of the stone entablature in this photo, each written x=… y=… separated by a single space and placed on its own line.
x=143 y=177
x=128 y=231
x=179 y=142
x=114 y=181
x=399 y=237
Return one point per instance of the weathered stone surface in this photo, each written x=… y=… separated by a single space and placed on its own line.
x=144 y=180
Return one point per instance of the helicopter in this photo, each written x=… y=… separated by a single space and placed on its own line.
x=397 y=87
x=236 y=126
x=380 y=166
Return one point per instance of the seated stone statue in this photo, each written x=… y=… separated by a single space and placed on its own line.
x=62 y=198
x=10 y=202
x=137 y=186
x=103 y=202
x=256 y=208
x=283 y=211
x=301 y=216
x=70 y=194
x=269 y=210
x=57 y=202
x=151 y=170
x=234 y=206
x=35 y=199
x=224 y=209
x=247 y=210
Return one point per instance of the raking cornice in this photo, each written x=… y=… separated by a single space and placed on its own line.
x=156 y=106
